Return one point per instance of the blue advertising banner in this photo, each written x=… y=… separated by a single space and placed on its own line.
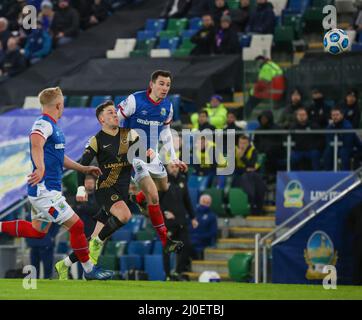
x=296 y=189
x=78 y=124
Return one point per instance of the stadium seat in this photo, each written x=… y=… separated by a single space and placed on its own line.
x=179 y=53
x=77 y=101
x=169 y=43
x=199 y=182
x=139 y=247
x=233 y=4
x=97 y=100
x=31 y=103
x=245 y=40
x=217 y=204
x=109 y=262
x=154 y=267
x=294 y=21
x=187 y=34
x=195 y=23
x=134 y=224
x=238 y=202
x=146 y=35
x=155 y=24
x=177 y=25
x=157 y=247
x=279 y=6
x=187 y=44
x=219 y=182
x=239 y=266
x=70 y=182
x=122 y=235
x=62 y=247
x=118 y=99
x=313 y=17
x=128 y=262
x=194 y=196
x=146 y=44
x=116 y=248
x=283 y=37
x=176 y=105
x=297 y=6
x=127 y=44
x=252 y=125
x=144 y=235
x=322 y=3
x=160 y=53
x=168 y=34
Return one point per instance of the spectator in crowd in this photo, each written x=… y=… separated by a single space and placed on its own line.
x=176 y=9
x=220 y=9
x=177 y=208
x=227 y=41
x=270 y=84
x=46 y=14
x=216 y=112
x=13 y=13
x=240 y=16
x=42 y=251
x=65 y=25
x=231 y=124
x=262 y=20
x=307 y=146
x=90 y=208
x=319 y=111
x=351 y=109
x=349 y=141
x=2 y=55
x=198 y=8
x=38 y=44
x=205 y=234
x=246 y=174
x=205 y=37
x=4 y=6
x=287 y=118
x=14 y=62
x=91 y=12
x=4 y=32
x=201 y=121
x=269 y=144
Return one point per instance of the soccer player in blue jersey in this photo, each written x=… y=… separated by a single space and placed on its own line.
x=150 y=114
x=47 y=145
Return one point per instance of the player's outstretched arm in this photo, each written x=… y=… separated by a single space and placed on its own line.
x=37 y=153
x=72 y=165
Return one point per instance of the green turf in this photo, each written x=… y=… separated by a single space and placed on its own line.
x=149 y=290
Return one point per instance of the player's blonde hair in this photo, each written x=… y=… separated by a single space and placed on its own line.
x=49 y=95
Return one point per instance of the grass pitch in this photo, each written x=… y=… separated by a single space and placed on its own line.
x=154 y=290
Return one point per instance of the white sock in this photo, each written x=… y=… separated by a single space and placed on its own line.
x=68 y=262
x=87 y=266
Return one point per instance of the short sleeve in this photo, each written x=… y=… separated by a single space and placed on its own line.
x=127 y=107
x=170 y=116
x=43 y=128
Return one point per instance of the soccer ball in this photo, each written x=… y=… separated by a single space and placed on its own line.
x=336 y=41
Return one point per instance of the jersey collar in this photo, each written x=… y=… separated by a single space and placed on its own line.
x=50 y=117
x=150 y=99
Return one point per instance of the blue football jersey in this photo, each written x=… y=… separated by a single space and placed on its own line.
x=53 y=154
x=141 y=113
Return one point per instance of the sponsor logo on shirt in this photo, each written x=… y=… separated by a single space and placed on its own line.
x=59 y=146
x=149 y=123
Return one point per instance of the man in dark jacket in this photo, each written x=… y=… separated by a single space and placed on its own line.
x=351 y=108
x=306 y=146
x=271 y=144
x=198 y=8
x=220 y=8
x=4 y=32
x=65 y=25
x=14 y=62
x=176 y=9
x=227 y=41
x=240 y=16
x=319 y=111
x=178 y=210
x=38 y=44
x=287 y=119
x=348 y=140
x=262 y=19
x=205 y=37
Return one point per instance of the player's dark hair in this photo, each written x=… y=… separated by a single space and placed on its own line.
x=102 y=106
x=160 y=73
x=302 y=108
x=337 y=108
x=203 y=112
x=243 y=137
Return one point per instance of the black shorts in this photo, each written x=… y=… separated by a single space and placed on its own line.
x=107 y=197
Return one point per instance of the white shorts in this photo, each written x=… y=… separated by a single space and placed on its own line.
x=50 y=206
x=155 y=169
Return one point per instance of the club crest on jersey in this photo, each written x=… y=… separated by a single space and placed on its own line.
x=163 y=112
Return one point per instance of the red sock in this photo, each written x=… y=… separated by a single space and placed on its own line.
x=78 y=241
x=21 y=229
x=140 y=197
x=158 y=223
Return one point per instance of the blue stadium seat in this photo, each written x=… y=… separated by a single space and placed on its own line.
x=296 y=6
x=357 y=47
x=146 y=35
x=195 y=23
x=171 y=43
x=134 y=224
x=176 y=103
x=252 y=125
x=194 y=196
x=97 y=100
x=63 y=247
x=154 y=267
x=187 y=34
x=359 y=37
x=220 y=182
x=155 y=24
x=157 y=247
x=139 y=247
x=200 y=183
x=129 y=261
x=122 y=235
x=118 y=99
x=245 y=40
